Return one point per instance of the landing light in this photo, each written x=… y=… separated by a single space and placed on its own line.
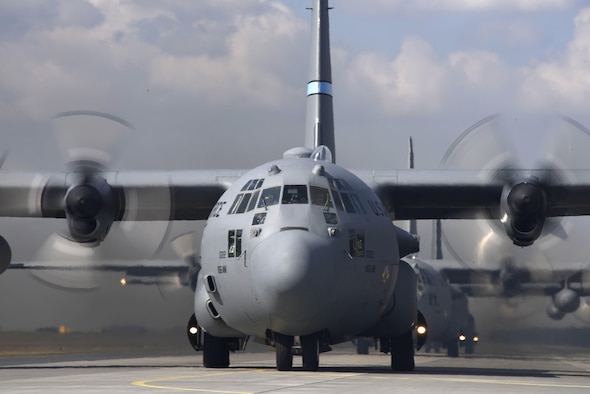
x=476 y=339
x=193 y=330
x=462 y=337
x=421 y=330
x=123 y=281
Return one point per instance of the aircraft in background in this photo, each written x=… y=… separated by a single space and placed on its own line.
x=298 y=248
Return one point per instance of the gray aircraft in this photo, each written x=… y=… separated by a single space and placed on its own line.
x=298 y=248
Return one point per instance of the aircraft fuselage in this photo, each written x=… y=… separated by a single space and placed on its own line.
x=296 y=246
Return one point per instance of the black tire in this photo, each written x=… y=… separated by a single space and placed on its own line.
x=311 y=352
x=402 y=352
x=469 y=346
x=362 y=346
x=215 y=352
x=284 y=345
x=453 y=348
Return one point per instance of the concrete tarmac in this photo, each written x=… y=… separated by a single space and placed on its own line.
x=341 y=371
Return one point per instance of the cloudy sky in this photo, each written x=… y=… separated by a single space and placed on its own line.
x=221 y=84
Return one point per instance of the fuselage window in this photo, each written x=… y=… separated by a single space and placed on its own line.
x=253 y=200
x=259 y=218
x=295 y=194
x=234 y=243
x=320 y=196
x=330 y=218
x=269 y=197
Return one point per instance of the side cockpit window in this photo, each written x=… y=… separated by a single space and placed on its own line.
x=295 y=194
x=245 y=202
x=345 y=197
x=320 y=196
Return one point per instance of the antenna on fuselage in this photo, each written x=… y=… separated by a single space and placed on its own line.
x=319 y=125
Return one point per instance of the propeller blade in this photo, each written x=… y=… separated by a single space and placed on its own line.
x=90 y=141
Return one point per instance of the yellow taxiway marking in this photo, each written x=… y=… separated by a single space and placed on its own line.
x=150 y=383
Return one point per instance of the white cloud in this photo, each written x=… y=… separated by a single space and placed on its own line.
x=412 y=82
x=380 y=6
x=564 y=82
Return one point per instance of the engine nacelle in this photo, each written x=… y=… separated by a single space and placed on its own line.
x=523 y=207
x=564 y=301
x=567 y=300
x=91 y=207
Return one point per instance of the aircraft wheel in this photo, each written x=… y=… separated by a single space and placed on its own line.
x=402 y=352
x=453 y=348
x=311 y=352
x=215 y=352
x=284 y=345
x=362 y=346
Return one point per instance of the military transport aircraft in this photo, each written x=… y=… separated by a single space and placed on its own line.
x=298 y=247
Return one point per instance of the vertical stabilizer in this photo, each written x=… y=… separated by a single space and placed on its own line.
x=438 y=236
x=319 y=125
x=413 y=223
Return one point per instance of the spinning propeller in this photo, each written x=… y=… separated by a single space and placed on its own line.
x=92 y=205
x=524 y=246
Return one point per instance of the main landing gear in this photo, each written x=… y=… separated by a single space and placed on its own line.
x=402 y=351
x=215 y=350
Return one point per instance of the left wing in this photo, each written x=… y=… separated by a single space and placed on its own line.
x=520 y=199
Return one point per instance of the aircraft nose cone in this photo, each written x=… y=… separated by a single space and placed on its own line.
x=294 y=270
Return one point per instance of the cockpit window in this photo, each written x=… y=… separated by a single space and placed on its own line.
x=236 y=204
x=244 y=203
x=295 y=194
x=337 y=200
x=343 y=185
x=253 y=200
x=320 y=196
x=347 y=203
x=269 y=197
x=357 y=204
x=253 y=184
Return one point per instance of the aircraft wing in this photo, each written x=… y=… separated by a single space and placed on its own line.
x=467 y=194
x=516 y=281
x=136 y=195
x=152 y=267
x=133 y=272
x=520 y=199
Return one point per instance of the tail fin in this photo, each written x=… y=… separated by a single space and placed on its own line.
x=413 y=222
x=319 y=126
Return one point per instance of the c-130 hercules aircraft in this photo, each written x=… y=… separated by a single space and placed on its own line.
x=298 y=247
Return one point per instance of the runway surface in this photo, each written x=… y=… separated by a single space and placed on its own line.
x=341 y=371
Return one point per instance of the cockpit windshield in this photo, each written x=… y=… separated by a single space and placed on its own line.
x=295 y=194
